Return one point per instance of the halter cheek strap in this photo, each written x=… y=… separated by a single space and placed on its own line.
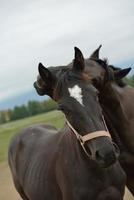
x=89 y=136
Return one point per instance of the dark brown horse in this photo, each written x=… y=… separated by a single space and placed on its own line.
x=116 y=99
x=119 y=114
x=76 y=163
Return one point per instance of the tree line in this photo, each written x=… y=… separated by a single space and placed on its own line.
x=30 y=109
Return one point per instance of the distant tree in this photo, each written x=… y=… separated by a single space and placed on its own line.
x=24 y=111
x=8 y=115
x=2 y=117
x=49 y=105
x=19 y=112
x=130 y=80
x=34 y=107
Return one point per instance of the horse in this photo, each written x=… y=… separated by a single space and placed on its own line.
x=114 y=95
x=76 y=163
x=117 y=96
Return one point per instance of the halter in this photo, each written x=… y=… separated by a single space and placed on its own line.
x=89 y=136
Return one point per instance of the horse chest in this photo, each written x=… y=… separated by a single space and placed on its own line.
x=82 y=180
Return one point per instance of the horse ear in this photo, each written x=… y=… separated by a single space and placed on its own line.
x=45 y=74
x=119 y=74
x=95 y=54
x=78 y=63
x=48 y=77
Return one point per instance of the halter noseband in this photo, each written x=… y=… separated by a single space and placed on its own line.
x=89 y=136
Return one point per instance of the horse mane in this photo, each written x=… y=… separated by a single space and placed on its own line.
x=103 y=62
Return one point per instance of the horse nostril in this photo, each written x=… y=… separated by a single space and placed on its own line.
x=105 y=158
x=99 y=157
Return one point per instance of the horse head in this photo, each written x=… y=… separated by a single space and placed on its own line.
x=103 y=73
x=77 y=98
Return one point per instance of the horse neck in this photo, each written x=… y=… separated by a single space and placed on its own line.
x=126 y=96
x=72 y=146
x=111 y=102
x=70 y=141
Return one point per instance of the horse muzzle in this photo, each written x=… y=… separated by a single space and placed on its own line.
x=38 y=89
x=107 y=157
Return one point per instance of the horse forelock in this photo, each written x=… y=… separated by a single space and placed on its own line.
x=67 y=77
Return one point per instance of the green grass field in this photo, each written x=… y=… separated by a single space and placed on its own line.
x=8 y=130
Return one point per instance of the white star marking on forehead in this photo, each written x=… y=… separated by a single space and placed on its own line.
x=76 y=93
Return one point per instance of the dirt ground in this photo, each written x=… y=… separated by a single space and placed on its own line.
x=7 y=190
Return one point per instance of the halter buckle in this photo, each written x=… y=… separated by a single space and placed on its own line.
x=80 y=138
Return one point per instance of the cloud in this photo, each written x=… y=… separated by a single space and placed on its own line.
x=47 y=30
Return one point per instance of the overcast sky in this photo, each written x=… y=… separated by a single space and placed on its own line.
x=33 y=31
